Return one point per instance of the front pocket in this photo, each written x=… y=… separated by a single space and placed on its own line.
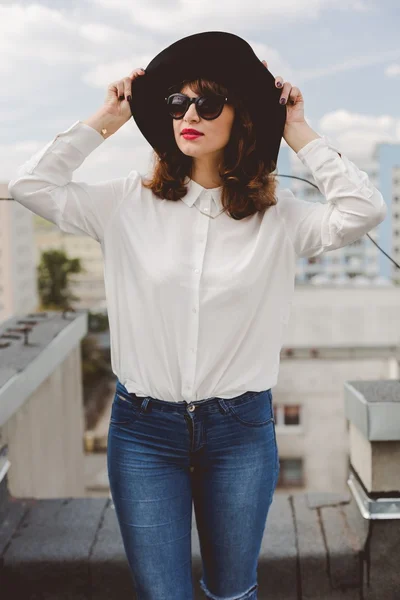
x=122 y=398
x=123 y=411
x=255 y=412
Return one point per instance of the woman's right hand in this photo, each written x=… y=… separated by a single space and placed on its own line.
x=116 y=103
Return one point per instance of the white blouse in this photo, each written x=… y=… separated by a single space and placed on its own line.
x=197 y=306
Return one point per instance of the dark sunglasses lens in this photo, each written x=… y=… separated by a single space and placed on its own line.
x=177 y=105
x=208 y=107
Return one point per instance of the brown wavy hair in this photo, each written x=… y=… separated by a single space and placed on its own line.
x=248 y=184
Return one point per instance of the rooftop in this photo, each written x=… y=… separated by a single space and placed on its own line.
x=62 y=545
x=315 y=546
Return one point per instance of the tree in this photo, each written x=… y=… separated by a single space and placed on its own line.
x=94 y=365
x=54 y=271
x=98 y=322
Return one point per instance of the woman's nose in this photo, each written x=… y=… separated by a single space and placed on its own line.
x=191 y=111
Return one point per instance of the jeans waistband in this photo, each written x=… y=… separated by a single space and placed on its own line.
x=211 y=404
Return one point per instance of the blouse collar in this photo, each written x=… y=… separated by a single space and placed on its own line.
x=195 y=189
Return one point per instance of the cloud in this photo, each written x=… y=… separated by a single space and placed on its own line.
x=357 y=134
x=103 y=73
x=42 y=37
x=393 y=70
x=166 y=16
x=115 y=157
x=37 y=33
x=350 y=64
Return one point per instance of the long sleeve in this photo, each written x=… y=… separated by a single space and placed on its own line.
x=44 y=184
x=354 y=206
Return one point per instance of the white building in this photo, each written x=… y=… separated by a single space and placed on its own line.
x=18 y=286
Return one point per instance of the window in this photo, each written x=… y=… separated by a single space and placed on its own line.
x=287 y=415
x=292 y=415
x=290 y=473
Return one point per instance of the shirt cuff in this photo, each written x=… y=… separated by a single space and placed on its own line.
x=314 y=154
x=81 y=136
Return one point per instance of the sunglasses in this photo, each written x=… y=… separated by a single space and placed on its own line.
x=207 y=107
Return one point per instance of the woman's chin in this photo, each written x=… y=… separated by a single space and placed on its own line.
x=188 y=152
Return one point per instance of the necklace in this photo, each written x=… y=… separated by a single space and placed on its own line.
x=210 y=216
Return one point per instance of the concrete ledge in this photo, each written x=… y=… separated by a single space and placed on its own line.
x=374 y=408
x=25 y=368
x=71 y=548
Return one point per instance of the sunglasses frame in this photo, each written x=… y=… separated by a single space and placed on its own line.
x=196 y=101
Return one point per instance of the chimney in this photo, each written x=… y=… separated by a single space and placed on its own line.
x=373 y=411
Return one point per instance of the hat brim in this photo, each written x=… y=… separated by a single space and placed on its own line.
x=219 y=56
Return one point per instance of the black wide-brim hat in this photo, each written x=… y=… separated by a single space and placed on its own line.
x=224 y=58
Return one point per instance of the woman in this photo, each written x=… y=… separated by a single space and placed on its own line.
x=199 y=266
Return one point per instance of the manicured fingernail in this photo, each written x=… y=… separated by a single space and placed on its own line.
x=279 y=84
x=129 y=98
x=282 y=100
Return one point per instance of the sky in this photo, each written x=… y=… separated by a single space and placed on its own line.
x=57 y=58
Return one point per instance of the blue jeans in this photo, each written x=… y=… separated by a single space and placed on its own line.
x=220 y=454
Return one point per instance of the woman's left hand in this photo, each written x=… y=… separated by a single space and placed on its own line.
x=294 y=100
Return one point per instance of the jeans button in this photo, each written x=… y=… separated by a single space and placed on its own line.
x=191 y=408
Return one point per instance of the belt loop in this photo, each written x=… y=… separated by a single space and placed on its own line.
x=144 y=405
x=223 y=406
